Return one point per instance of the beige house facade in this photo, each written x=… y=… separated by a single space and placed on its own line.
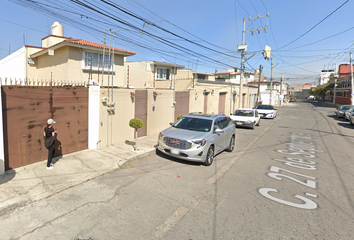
x=151 y=74
x=61 y=60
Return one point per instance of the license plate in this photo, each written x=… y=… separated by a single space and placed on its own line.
x=174 y=151
x=239 y=123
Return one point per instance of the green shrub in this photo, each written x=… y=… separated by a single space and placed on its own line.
x=179 y=116
x=136 y=123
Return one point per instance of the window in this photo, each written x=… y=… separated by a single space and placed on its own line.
x=96 y=61
x=194 y=124
x=163 y=74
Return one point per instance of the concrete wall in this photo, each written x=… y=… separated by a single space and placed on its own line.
x=51 y=40
x=160 y=111
x=115 y=128
x=13 y=66
x=178 y=84
x=140 y=74
x=214 y=90
x=49 y=67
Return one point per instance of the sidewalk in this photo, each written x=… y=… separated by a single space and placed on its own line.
x=34 y=182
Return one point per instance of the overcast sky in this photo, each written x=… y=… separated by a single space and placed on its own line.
x=305 y=36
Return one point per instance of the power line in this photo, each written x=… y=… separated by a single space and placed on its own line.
x=315 y=25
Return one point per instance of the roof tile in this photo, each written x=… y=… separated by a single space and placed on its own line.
x=96 y=45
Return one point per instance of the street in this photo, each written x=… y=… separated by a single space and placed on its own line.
x=290 y=178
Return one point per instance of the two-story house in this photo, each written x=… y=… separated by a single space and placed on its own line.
x=269 y=93
x=63 y=60
x=152 y=74
x=234 y=76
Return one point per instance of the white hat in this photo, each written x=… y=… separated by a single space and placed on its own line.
x=51 y=121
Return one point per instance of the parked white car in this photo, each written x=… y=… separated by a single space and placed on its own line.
x=266 y=111
x=245 y=117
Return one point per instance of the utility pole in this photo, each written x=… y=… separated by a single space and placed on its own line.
x=243 y=47
x=281 y=89
x=271 y=81
x=174 y=82
x=334 y=92
x=259 y=83
x=103 y=57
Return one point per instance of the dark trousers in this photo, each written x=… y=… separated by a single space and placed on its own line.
x=51 y=152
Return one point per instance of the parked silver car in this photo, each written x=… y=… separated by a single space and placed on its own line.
x=342 y=110
x=348 y=113
x=198 y=137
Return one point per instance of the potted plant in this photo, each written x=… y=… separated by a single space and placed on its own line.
x=136 y=123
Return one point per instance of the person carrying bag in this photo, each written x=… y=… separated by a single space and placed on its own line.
x=50 y=135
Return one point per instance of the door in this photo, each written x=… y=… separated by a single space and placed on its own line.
x=206 y=96
x=141 y=110
x=222 y=99
x=182 y=104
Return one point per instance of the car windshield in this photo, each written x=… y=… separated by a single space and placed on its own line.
x=345 y=107
x=245 y=113
x=270 y=107
x=194 y=124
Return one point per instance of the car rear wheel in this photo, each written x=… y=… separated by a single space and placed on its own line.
x=209 y=157
x=232 y=144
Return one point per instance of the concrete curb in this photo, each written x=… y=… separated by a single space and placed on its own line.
x=12 y=204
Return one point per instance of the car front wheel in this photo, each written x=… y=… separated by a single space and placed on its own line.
x=209 y=157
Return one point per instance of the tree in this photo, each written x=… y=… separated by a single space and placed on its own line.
x=136 y=123
x=321 y=90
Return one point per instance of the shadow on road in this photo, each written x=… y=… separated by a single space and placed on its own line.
x=346 y=124
x=160 y=154
x=321 y=104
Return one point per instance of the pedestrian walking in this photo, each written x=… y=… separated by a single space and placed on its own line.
x=50 y=135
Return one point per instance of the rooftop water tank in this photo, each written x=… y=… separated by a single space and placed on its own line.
x=57 y=29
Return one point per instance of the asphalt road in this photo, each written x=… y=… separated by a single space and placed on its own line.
x=290 y=178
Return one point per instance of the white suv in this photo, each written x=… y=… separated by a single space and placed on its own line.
x=198 y=137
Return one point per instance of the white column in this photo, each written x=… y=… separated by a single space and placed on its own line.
x=93 y=117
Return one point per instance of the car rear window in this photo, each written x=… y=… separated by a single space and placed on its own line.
x=246 y=113
x=194 y=124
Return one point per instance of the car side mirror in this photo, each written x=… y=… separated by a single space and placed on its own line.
x=171 y=123
x=218 y=131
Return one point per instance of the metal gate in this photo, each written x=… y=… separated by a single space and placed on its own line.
x=182 y=104
x=141 y=110
x=25 y=112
